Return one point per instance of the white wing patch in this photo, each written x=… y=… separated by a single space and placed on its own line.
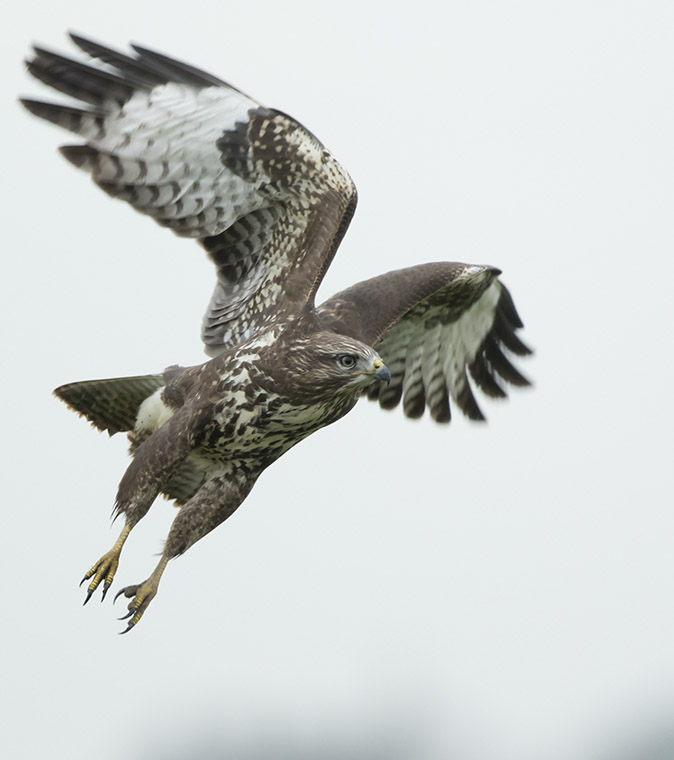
x=461 y=340
x=158 y=152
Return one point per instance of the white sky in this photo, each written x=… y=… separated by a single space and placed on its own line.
x=390 y=590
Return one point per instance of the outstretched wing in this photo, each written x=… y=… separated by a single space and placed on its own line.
x=261 y=193
x=434 y=325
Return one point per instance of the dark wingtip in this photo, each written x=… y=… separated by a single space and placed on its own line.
x=80 y=156
x=389 y=397
x=520 y=347
x=467 y=403
x=30 y=105
x=414 y=406
x=442 y=413
x=476 y=416
x=79 y=40
x=85 y=44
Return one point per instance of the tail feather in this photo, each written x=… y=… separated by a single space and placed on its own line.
x=111 y=404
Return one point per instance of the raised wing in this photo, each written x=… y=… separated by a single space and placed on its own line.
x=261 y=193
x=433 y=325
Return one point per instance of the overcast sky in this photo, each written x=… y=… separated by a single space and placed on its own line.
x=391 y=590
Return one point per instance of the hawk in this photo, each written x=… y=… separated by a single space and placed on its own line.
x=270 y=204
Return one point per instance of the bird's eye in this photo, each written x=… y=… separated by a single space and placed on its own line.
x=348 y=360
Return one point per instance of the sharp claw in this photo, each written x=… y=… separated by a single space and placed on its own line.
x=140 y=595
x=127 y=629
x=106 y=586
x=89 y=593
x=86 y=578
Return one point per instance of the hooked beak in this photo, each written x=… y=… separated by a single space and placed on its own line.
x=381 y=371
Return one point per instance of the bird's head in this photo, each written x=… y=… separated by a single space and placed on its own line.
x=325 y=364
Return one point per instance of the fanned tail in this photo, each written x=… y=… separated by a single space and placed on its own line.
x=110 y=404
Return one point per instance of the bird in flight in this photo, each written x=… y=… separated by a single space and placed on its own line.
x=270 y=205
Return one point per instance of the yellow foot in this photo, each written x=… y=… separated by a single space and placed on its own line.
x=105 y=569
x=141 y=595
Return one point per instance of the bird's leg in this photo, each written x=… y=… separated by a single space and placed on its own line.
x=106 y=567
x=154 y=462
x=215 y=501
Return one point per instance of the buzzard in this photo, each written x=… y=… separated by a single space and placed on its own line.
x=270 y=204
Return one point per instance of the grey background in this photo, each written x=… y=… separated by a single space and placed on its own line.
x=390 y=589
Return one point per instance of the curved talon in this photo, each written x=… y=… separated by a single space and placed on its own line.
x=127 y=591
x=106 y=587
x=86 y=578
x=97 y=578
x=127 y=629
x=140 y=595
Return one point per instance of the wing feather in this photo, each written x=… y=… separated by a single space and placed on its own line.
x=414 y=397
x=264 y=197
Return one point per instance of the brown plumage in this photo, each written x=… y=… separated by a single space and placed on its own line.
x=270 y=205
